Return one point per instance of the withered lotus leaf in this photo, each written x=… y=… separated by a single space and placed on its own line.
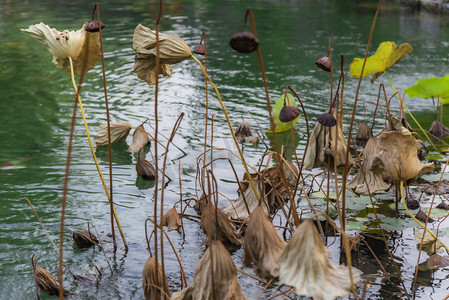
x=363 y=134
x=244 y=42
x=145 y=169
x=365 y=176
x=226 y=232
x=429 y=243
x=140 y=139
x=150 y=289
x=242 y=131
x=268 y=185
x=119 y=132
x=47 y=282
x=304 y=265
x=67 y=44
x=262 y=244
x=171 y=220
x=172 y=50
x=84 y=238
x=239 y=209
x=436 y=260
x=398 y=157
x=322 y=143
x=224 y=283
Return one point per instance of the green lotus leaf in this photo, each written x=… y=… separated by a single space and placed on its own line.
x=281 y=126
x=431 y=88
x=387 y=54
x=397 y=224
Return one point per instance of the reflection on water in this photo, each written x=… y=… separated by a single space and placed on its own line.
x=37 y=98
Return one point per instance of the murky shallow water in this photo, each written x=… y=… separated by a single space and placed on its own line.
x=36 y=104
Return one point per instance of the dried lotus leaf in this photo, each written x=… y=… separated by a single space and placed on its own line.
x=171 y=220
x=226 y=232
x=119 y=132
x=145 y=169
x=262 y=244
x=304 y=264
x=224 y=283
x=140 y=139
x=84 y=238
x=150 y=289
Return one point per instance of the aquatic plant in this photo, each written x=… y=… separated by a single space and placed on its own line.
x=262 y=244
x=387 y=55
x=304 y=264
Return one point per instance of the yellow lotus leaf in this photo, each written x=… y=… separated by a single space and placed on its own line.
x=387 y=54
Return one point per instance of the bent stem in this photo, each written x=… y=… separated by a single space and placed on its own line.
x=416 y=220
x=408 y=111
x=94 y=156
x=223 y=108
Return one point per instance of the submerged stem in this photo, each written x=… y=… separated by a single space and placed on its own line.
x=94 y=156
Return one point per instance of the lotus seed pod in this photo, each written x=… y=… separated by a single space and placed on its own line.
x=324 y=63
x=244 y=42
x=289 y=113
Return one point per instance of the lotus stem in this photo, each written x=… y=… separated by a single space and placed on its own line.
x=93 y=154
x=416 y=220
x=50 y=239
x=351 y=123
x=277 y=157
x=111 y=201
x=223 y=108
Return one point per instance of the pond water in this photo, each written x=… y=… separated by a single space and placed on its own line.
x=36 y=105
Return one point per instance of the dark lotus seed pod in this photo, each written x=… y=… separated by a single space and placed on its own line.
x=438 y=130
x=327 y=120
x=244 y=42
x=443 y=205
x=289 y=113
x=413 y=204
x=92 y=26
x=199 y=49
x=324 y=63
